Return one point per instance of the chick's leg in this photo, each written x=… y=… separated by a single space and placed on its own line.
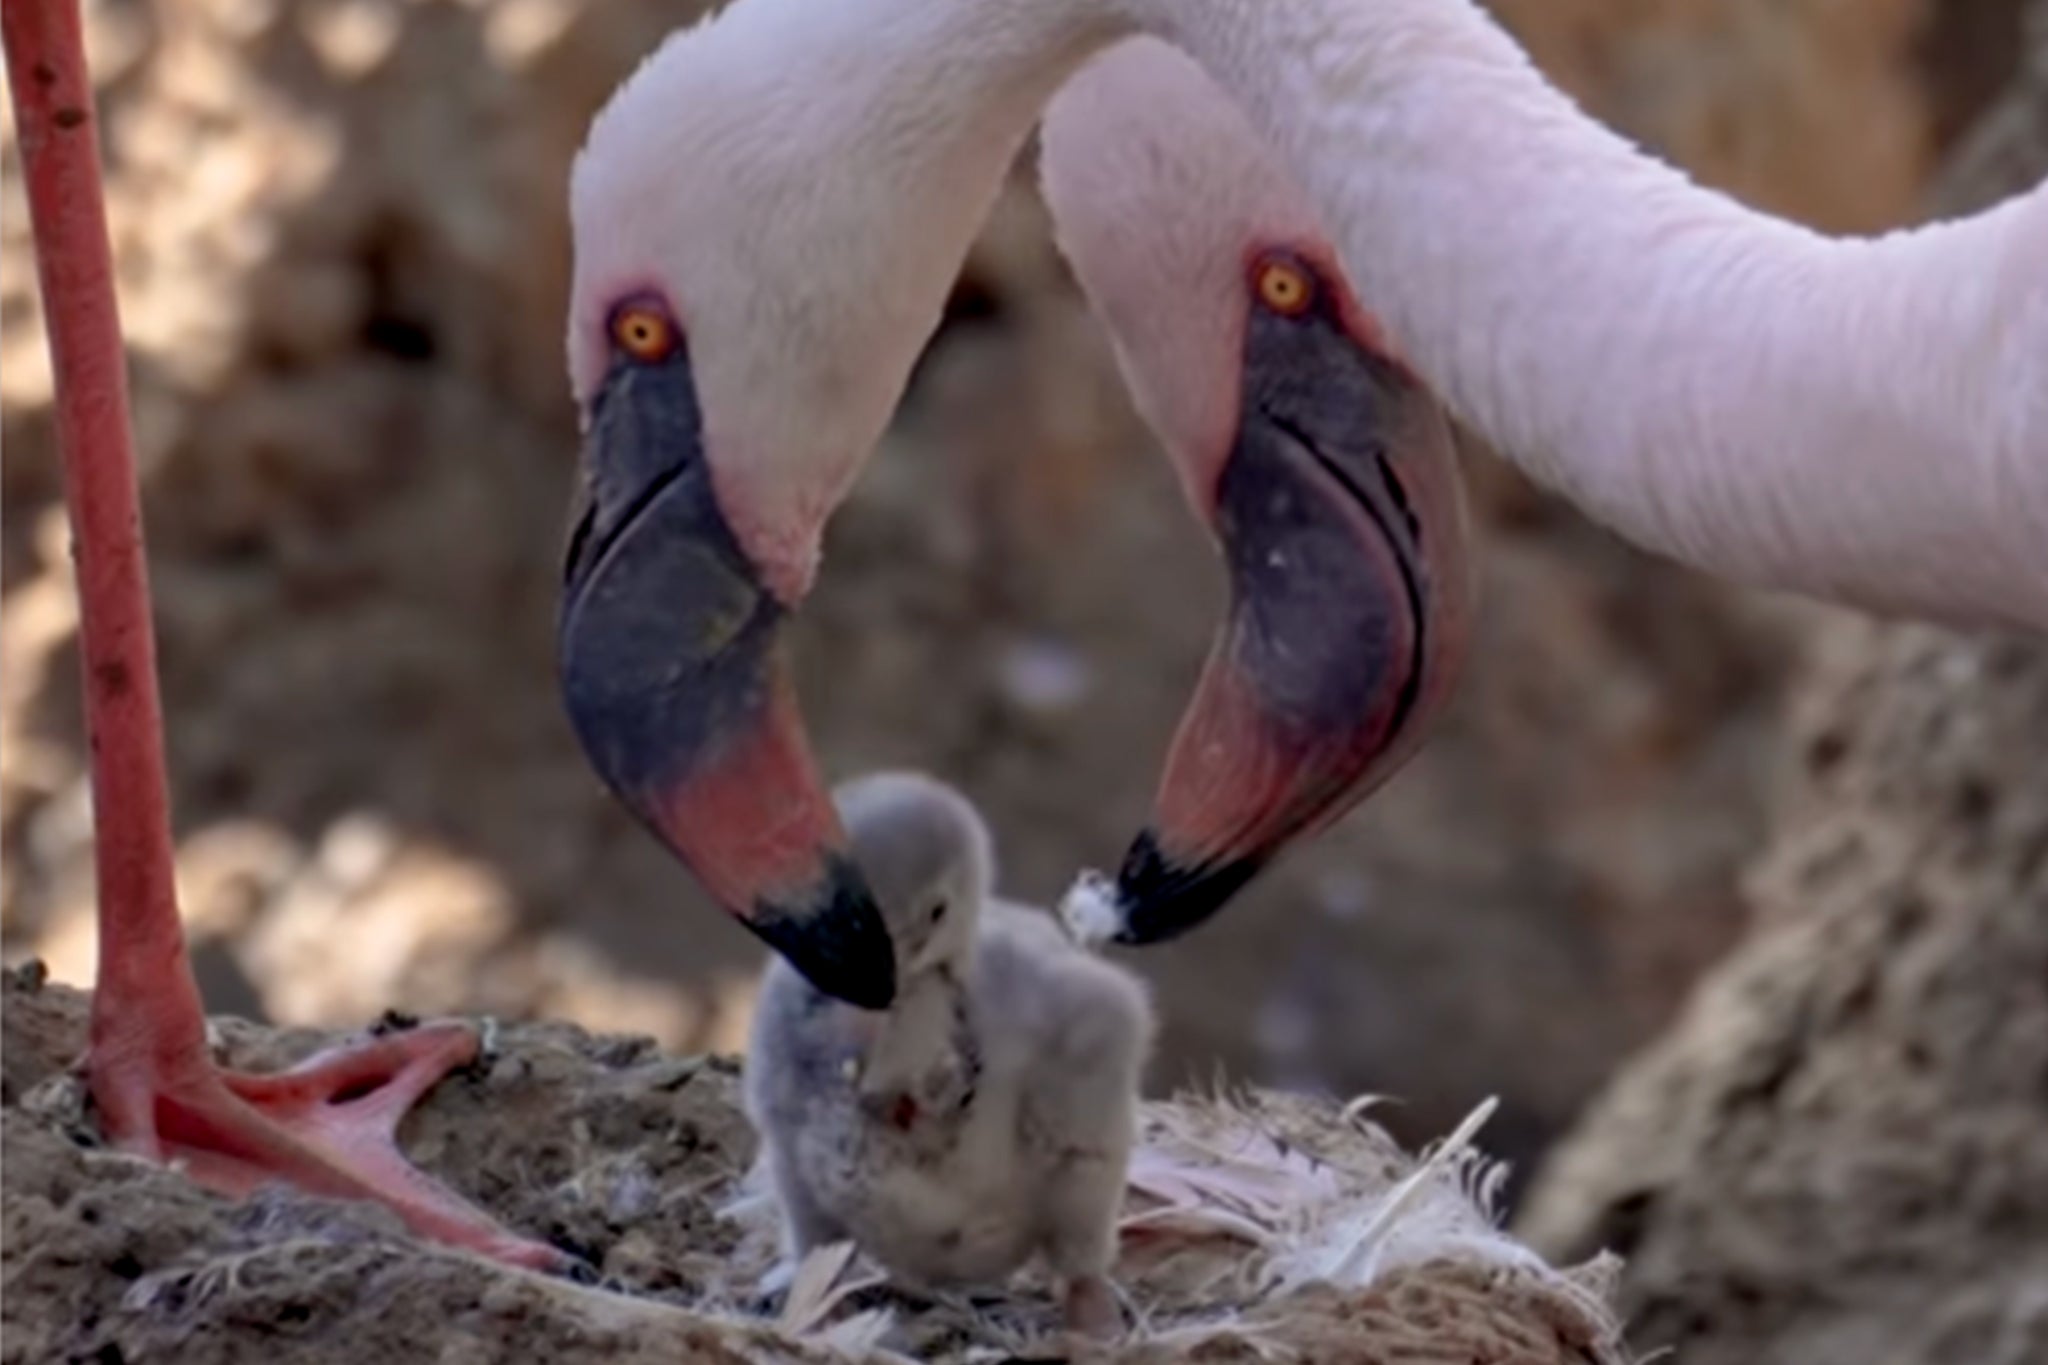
x=1080 y=1242
x=806 y=1224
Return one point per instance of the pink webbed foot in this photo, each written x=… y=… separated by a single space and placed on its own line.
x=328 y=1126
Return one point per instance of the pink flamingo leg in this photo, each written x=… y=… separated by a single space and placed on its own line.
x=329 y=1125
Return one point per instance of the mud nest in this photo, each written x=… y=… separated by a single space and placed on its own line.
x=638 y=1162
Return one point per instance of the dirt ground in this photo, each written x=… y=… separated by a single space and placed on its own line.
x=630 y=1158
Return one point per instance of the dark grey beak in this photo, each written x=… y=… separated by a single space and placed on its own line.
x=1340 y=517
x=676 y=683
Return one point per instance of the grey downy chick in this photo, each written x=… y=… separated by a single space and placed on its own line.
x=988 y=1115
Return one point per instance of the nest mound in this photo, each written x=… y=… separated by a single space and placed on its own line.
x=639 y=1161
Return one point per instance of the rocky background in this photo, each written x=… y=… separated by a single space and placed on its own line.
x=343 y=260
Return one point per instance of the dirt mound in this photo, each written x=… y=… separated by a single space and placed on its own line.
x=633 y=1159
x=1840 y=1153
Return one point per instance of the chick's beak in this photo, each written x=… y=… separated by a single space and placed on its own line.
x=1340 y=519
x=677 y=684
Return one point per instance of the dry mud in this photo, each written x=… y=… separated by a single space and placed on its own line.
x=630 y=1158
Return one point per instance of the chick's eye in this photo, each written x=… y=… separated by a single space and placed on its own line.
x=938 y=912
x=1283 y=286
x=644 y=332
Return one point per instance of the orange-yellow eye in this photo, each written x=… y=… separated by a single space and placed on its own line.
x=644 y=332
x=1283 y=287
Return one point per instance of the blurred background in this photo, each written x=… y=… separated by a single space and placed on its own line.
x=343 y=253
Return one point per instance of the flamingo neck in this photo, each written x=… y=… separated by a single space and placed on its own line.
x=1848 y=418
x=1851 y=418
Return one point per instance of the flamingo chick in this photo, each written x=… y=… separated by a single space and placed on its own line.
x=989 y=1115
x=745 y=310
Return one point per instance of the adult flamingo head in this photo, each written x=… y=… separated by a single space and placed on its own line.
x=1321 y=465
x=767 y=218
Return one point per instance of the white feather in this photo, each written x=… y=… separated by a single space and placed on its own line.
x=1089 y=911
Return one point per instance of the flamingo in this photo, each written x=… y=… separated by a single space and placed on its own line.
x=1323 y=468
x=1700 y=376
x=329 y=1124
x=767 y=216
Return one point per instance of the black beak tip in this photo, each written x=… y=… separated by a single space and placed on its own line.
x=837 y=941
x=1163 y=898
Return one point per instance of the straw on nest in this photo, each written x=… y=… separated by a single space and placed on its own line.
x=1244 y=1207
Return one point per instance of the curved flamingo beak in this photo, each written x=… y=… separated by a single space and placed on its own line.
x=1340 y=517
x=678 y=688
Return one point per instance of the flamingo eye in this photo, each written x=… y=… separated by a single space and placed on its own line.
x=1283 y=286
x=644 y=331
